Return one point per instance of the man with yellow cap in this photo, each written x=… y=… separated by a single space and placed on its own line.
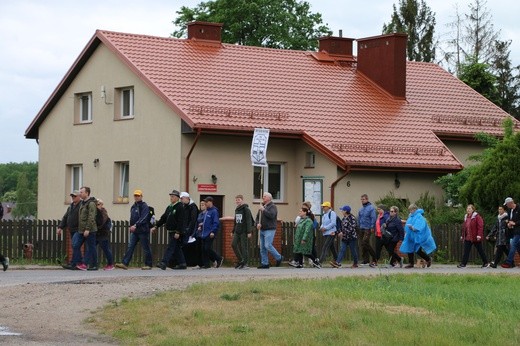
x=139 y=232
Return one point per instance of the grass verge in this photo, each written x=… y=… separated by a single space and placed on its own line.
x=386 y=310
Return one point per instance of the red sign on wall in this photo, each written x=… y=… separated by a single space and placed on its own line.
x=207 y=187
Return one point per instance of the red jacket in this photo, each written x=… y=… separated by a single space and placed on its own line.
x=473 y=227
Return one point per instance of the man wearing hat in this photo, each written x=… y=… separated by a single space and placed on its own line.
x=513 y=225
x=139 y=232
x=210 y=227
x=173 y=219
x=348 y=236
x=71 y=221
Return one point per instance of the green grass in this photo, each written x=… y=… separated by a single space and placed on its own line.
x=384 y=310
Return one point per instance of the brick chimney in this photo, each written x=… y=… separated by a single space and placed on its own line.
x=205 y=31
x=383 y=60
x=336 y=45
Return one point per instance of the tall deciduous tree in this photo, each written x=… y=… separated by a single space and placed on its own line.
x=25 y=198
x=418 y=21
x=286 y=24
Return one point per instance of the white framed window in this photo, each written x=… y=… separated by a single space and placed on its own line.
x=123 y=175
x=74 y=179
x=127 y=102
x=273 y=181
x=84 y=108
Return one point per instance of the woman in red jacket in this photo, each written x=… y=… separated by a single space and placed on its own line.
x=472 y=234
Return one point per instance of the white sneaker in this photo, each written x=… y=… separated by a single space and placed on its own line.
x=293 y=263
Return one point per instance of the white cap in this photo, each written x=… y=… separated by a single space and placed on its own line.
x=184 y=194
x=508 y=200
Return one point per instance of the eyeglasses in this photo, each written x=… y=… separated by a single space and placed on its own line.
x=392 y=211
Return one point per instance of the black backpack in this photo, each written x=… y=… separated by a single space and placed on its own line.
x=338 y=222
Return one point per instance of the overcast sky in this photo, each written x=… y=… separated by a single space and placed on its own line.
x=41 y=39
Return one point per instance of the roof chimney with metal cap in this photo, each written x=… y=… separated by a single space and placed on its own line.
x=205 y=31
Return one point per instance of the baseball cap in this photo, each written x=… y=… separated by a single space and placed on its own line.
x=175 y=193
x=208 y=199
x=508 y=200
x=326 y=204
x=74 y=193
x=138 y=193
x=346 y=208
x=184 y=194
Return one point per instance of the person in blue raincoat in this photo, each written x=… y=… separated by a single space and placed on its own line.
x=418 y=237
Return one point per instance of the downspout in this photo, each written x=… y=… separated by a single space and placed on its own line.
x=333 y=185
x=187 y=183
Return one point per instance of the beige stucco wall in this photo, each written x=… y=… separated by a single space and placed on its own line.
x=463 y=150
x=150 y=141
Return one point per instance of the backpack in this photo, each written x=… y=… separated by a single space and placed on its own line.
x=338 y=223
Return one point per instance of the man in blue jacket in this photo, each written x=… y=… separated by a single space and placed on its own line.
x=367 y=222
x=139 y=232
x=210 y=227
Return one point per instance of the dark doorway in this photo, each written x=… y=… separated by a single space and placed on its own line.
x=218 y=202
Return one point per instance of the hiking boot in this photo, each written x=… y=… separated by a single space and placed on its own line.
x=161 y=265
x=122 y=266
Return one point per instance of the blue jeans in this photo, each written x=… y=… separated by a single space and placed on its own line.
x=352 y=244
x=105 y=246
x=144 y=238
x=515 y=243
x=266 y=245
x=90 y=249
x=174 y=249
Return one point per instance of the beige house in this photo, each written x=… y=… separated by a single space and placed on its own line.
x=158 y=114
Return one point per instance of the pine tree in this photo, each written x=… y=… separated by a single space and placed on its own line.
x=415 y=19
x=507 y=79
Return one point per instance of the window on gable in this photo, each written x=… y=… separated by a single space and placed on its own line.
x=83 y=108
x=273 y=181
x=122 y=174
x=124 y=108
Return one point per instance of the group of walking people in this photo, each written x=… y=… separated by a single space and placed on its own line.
x=88 y=223
x=380 y=222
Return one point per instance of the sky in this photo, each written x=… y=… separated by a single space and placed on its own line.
x=40 y=40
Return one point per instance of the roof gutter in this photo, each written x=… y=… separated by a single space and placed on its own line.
x=333 y=185
x=187 y=173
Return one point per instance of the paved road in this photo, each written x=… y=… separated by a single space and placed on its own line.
x=35 y=274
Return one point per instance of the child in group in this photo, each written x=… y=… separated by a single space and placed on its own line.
x=498 y=232
x=348 y=236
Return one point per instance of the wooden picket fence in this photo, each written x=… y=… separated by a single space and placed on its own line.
x=49 y=248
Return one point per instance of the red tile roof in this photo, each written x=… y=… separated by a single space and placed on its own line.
x=225 y=87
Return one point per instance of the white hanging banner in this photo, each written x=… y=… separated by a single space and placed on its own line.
x=259 y=147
